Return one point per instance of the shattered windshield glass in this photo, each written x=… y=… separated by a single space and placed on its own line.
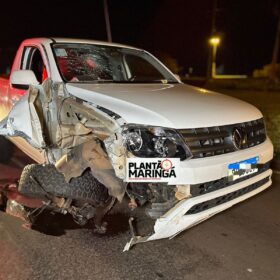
x=98 y=63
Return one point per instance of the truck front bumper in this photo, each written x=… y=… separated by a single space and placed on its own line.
x=191 y=211
x=197 y=171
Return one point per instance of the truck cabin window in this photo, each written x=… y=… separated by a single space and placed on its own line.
x=36 y=64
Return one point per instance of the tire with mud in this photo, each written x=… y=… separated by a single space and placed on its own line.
x=6 y=150
x=46 y=181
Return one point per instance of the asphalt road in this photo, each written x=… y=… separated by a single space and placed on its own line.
x=240 y=243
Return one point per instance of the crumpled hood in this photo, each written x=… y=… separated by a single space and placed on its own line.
x=167 y=105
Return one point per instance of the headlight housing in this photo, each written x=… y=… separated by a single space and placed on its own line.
x=150 y=141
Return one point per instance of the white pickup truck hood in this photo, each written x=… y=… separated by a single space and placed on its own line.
x=167 y=105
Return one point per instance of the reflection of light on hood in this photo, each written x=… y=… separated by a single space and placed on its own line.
x=202 y=90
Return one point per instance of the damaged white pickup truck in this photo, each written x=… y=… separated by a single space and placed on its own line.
x=104 y=121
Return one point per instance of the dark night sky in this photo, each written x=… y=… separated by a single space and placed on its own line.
x=177 y=27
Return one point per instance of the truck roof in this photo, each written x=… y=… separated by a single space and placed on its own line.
x=48 y=40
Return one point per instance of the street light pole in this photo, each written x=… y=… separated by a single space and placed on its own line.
x=214 y=53
x=214 y=41
x=213 y=31
x=107 y=20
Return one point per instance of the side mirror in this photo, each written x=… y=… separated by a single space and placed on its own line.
x=22 y=79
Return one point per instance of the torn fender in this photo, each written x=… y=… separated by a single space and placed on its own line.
x=23 y=121
x=92 y=155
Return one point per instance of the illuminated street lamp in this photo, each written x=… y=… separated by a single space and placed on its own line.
x=214 y=42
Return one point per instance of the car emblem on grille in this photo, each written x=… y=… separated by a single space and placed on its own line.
x=239 y=138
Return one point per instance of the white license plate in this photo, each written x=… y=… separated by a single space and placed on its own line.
x=242 y=169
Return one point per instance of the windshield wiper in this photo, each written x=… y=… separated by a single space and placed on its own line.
x=161 y=81
x=97 y=81
x=102 y=81
x=146 y=82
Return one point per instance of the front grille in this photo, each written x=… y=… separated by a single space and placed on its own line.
x=225 y=198
x=218 y=140
x=200 y=189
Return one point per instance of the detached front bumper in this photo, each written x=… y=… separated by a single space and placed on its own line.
x=177 y=219
x=194 y=210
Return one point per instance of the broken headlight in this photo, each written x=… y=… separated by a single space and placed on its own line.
x=145 y=141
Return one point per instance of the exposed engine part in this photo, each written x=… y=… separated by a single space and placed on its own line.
x=80 y=211
x=102 y=211
x=132 y=203
x=34 y=213
x=83 y=214
x=161 y=197
x=158 y=209
x=100 y=229
x=140 y=192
